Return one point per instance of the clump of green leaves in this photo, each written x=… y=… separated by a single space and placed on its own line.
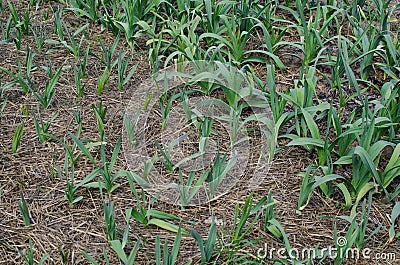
x=169 y=258
x=23 y=207
x=17 y=137
x=146 y=216
x=28 y=256
x=188 y=189
x=109 y=217
x=41 y=126
x=219 y=171
x=123 y=76
x=49 y=92
x=207 y=247
x=394 y=215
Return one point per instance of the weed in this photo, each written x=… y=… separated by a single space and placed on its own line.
x=166 y=152
x=169 y=258
x=17 y=137
x=109 y=217
x=49 y=92
x=87 y=8
x=395 y=213
x=41 y=126
x=93 y=261
x=241 y=228
x=23 y=207
x=68 y=172
x=78 y=85
x=28 y=255
x=219 y=171
x=39 y=34
x=148 y=217
x=186 y=191
x=124 y=78
x=207 y=247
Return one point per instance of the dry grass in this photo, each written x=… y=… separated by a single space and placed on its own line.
x=58 y=228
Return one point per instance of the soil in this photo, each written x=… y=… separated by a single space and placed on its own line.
x=64 y=231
